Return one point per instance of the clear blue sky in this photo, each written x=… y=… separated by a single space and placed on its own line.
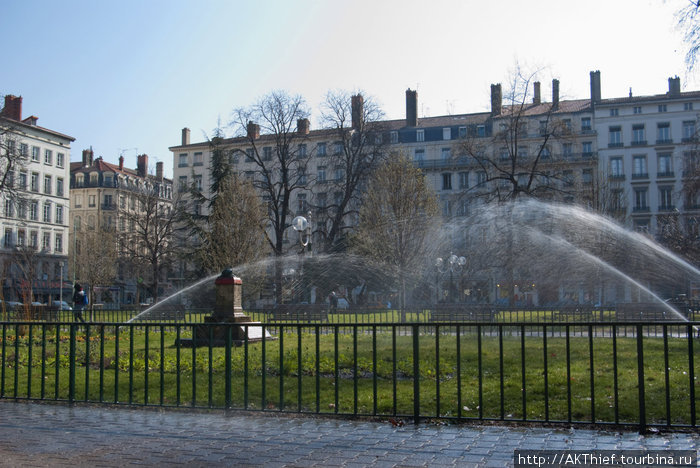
x=126 y=76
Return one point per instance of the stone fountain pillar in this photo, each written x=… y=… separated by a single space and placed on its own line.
x=227 y=311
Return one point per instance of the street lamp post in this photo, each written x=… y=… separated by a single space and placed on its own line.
x=453 y=264
x=302 y=226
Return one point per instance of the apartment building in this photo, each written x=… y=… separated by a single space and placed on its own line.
x=34 y=219
x=106 y=196
x=647 y=146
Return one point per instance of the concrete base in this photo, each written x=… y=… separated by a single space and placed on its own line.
x=215 y=334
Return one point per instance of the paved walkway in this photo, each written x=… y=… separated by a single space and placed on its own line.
x=33 y=434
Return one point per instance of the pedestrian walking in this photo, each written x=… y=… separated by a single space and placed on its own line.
x=80 y=300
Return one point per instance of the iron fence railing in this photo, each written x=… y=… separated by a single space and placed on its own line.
x=629 y=374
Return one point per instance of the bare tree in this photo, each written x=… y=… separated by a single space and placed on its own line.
x=280 y=157
x=398 y=218
x=95 y=257
x=13 y=158
x=518 y=158
x=688 y=21
x=149 y=241
x=358 y=150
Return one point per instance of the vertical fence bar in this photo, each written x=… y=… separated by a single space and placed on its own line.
x=393 y=367
x=281 y=369
x=264 y=371
x=131 y=364
x=177 y=363
x=500 y=364
x=640 y=380
x=43 y=361
x=146 y=367
x=4 y=353
x=317 y=331
x=87 y=362
x=546 y=373
x=161 y=398
x=480 y=370
x=691 y=374
x=336 y=371
x=16 y=363
x=354 y=369
x=194 y=365
x=299 y=369
x=210 y=368
x=523 y=390
x=374 y=370
x=416 y=374
x=568 y=372
x=116 y=363
x=666 y=377
x=102 y=362
x=30 y=340
x=437 y=371
x=615 y=381
x=245 y=365
x=227 y=367
x=592 y=371
x=459 y=372
x=71 y=360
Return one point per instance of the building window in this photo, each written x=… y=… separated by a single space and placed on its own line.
x=48 y=157
x=320 y=150
x=640 y=199
x=585 y=124
x=21 y=238
x=58 y=243
x=464 y=180
x=616 y=168
x=34 y=211
x=197 y=179
x=198 y=159
x=91 y=201
x=35 y=153
x=302 y=176
x=7 y=243
x=688 y=130
x=321 y=200
x=9 y=210
x=23 y=149
x=447 y=133
x=249 y=155
x=321 y=176
x=665 y=167
x=94 y=176
x=447 y=208
x=420 y=135
x=59 y=214
x=663 y=133
x=23 y=180
x=662 y=108
x=641 y=225
x=587 y=176
x=302 y=150
x=182 y=184
x=33 y=239
x=34 y=184
x=419 y=156
x=267 y=153
x=639 y=167
x=587 y=148
x=481 y=131
x=687 y=106
x=46 y=241
x=78 y=201
x=59 y=187
x=615 y=136
x=47 y=212
x=665 y=198
x=47 y=184
x=481 y=178
x=60 y=158
x=614 y=112
x=338 y=145
x=447 y=181
x=567 y=149
x=302 y=204
x=638 y=137
x=462 y=207
x=446 y=154
x=22 y=209
x=637 y=110
x=462 y=132
x=339 y=173
x=394 y=136
x=182 y=160
x=108 y=202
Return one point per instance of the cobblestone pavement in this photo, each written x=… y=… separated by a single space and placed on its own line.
x=35 y=435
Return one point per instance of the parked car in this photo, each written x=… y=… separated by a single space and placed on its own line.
x=61 y=305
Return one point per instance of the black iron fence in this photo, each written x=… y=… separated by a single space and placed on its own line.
x=558 y=372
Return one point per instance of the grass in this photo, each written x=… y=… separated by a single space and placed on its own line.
x=360 y=373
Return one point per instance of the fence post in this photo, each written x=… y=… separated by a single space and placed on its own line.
x=640 y=380
x=227 y=372
x=416 y=375
x=71 y=361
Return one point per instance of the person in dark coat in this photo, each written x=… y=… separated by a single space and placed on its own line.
x=78 y=302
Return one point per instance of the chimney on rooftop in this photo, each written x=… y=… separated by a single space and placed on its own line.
x=185 y=136
x=595 y=87
x=159 y=170
x=555 y=93
x=303 y=126
x=142 y=165
x=253 y=130
x=13 y=107
x=674 y=86
x=411 y=108
x=496 y=99
x=357 y=105
x=87 y=157
x=536 y=98
x=121 y=163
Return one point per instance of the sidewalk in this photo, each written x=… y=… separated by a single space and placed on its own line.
x=33 y=434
